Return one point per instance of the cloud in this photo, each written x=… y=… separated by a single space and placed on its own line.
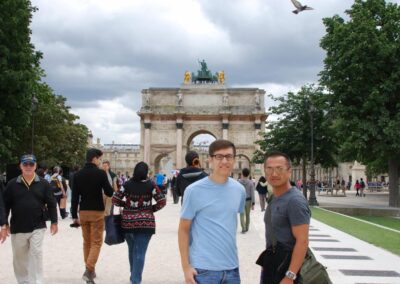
x=100 y=54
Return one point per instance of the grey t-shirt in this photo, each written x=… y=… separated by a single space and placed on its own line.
x=289 y=209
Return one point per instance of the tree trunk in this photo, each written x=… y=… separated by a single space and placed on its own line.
x=394 y=170
x=304 y=179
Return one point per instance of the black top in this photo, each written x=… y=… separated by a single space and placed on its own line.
x=87 y=189
x=26 y=203
x=188 y=176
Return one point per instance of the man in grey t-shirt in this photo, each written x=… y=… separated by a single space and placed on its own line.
x=287 y=218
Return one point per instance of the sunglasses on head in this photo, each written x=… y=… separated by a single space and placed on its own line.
x=26 y=164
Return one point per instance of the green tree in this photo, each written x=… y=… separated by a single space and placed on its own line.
x=58 y=139
x=291 y=133
x=362 y=76
x=18 y=72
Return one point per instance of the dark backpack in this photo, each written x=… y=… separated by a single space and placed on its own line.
x=55 y=186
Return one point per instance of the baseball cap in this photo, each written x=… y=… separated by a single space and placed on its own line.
x=28 y=158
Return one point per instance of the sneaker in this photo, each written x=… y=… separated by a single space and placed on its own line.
x=89 y=276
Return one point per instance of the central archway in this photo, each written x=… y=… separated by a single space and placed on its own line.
x=199 y=141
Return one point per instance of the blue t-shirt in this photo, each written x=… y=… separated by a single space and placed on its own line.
x=159 y=179
x=213 y=209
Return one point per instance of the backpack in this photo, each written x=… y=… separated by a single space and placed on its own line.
x=362 y=183
x=55 y=186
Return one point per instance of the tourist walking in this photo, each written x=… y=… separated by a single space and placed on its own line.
x=59 y=190
x=29 y=199
x=362 y=187
x=87 y=193
x=262 y=189
x=287 y=222
x=191 y=173
x=112 y=179
x=208 y=224
x=250 y=200
x=357 y=186
x=138 y=220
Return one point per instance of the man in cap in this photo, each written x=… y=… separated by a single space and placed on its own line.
x=28 y=197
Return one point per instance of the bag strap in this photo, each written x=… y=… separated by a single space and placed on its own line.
x=269 y=222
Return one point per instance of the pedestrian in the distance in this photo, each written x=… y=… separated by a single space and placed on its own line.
x=250 y=200
x=262 y=190
x=138 y=220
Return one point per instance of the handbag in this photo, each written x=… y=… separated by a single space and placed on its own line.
x=114 y=232
x=313 y=272
x=276 y=260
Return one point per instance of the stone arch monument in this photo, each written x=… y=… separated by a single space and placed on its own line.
x=171 y=117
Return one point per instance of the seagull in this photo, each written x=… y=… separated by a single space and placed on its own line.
x=299 y=7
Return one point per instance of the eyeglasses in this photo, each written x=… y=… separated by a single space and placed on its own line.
x=28 y=164
x=278 y=170
x=220 y=157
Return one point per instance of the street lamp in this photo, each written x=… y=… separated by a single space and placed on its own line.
x=312 y=199
x=115 y=160
x=33 y=109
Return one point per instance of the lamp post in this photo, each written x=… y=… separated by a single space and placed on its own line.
x=312 y=199
x=33 y=109
x=115 y=160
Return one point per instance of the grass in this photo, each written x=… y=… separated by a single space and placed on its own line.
x=389 y=222
x=385 y=239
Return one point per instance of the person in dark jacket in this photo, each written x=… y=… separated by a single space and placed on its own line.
x=138 y=220
x=26 y=197
x=262 y=190
x=87 y=192
x=193 y=172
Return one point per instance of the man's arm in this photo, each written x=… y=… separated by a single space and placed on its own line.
x=183 y=241
x=108 y=190
x=300 y=232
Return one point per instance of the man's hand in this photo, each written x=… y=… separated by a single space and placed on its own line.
x=5 y=232
x=53 y=229
x=189 y=273
x=286 y=280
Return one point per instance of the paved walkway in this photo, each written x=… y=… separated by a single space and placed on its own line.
x=342 y=254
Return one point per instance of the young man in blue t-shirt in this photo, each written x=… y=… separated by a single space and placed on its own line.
x=208 y=225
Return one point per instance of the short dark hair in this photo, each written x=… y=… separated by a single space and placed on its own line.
x=221 y=144
x=106 y=162
x=246 y=172
x=192 y=158
x=93 y=153
x=277 y=154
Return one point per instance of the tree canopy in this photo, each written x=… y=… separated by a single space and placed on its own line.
x=291 y=132
x=58 y=139
x=362 y=76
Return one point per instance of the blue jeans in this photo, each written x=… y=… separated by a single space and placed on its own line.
x=137 y=246
x=217 y=277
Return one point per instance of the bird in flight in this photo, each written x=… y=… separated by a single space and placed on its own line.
x=299 y=7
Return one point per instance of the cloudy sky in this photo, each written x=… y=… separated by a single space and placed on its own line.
x=100 y=54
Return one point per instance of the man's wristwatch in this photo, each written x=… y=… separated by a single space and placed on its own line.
x=291 y=275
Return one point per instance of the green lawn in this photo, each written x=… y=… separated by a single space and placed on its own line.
x=389 y=222
x=374 y=235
